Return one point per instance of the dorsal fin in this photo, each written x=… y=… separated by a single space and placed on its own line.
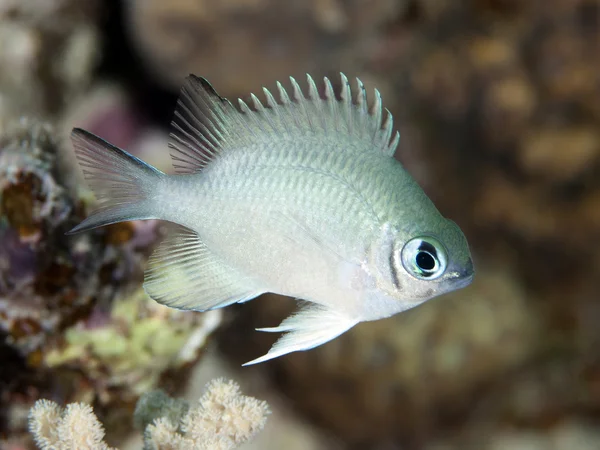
x=205 y=124
x=199 y=125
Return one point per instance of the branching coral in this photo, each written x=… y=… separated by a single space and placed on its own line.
x=70 y=428
x=222 y=420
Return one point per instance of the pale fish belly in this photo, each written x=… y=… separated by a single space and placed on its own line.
x=264 y=243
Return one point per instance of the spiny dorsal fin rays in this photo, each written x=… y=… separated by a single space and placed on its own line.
x=345 y=104
x=376 y=112
x=283 y=95
x=302 y=101
x=331 y=101
x=361 y=105
x=361 y=98
x=252 y=123
x=391 y=149
x=272 y=110
x=315 y=99
x=205 y=124
x=384 y=134
x=290 y=107
x=262 y=111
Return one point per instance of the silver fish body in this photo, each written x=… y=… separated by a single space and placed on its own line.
x=302 y=197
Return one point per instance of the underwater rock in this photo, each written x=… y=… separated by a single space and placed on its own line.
x=51 y=48
x=122 y=353
x=48 y=280
x=247 y=44
x=57 y=291
x=74 y=322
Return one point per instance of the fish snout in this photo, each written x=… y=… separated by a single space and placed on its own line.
x=465 y=275
x=468 y=270
x=459 y=275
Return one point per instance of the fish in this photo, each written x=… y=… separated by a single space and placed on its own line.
x=300 y=196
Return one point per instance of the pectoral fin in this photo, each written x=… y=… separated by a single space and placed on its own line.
x=183 y=273
x=310 y=327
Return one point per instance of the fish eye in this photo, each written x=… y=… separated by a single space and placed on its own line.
x=424 y=258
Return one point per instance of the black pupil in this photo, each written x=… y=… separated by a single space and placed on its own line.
x=425 y=261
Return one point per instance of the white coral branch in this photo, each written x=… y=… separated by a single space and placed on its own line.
x=223 y=419
x=225 y=415
x=74 y=427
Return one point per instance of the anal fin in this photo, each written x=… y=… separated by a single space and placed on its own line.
x=183 y=273
x=310 y=327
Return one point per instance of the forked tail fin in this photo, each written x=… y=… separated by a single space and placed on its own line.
x=123 y=184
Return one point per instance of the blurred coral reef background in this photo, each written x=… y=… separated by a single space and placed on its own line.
x=498 y=105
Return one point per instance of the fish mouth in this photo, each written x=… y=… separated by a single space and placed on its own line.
x=462 y=281
x=461 y=277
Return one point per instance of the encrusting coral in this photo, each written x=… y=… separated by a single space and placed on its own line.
x=124 y=353
x=47 y=281
x=71 y=307
x=222 y=420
